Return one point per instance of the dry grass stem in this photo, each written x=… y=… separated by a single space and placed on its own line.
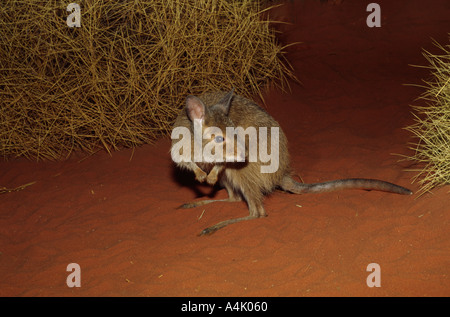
x=4 y=190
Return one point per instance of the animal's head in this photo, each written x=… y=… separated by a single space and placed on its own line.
x=210 y=128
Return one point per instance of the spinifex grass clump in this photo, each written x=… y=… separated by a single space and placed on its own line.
x=120 y=79
x=432 y=127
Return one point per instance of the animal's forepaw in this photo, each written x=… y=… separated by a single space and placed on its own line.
x=212 y=178
x=200 y=175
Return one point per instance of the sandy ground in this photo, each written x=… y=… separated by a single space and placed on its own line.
x=115 y=215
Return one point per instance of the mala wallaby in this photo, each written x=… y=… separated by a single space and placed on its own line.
x=206 y=121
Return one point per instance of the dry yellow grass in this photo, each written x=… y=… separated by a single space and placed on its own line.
x=120 y=79
x=432 y=124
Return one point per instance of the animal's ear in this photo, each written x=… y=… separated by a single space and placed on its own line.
x=195 y=108
x=225 y=102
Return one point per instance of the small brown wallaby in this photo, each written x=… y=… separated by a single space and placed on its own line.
x=211 y=114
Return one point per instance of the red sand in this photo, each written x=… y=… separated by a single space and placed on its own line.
x=116 y=217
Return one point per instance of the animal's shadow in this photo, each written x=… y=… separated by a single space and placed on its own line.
x=186 y=178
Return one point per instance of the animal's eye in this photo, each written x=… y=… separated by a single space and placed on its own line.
x=218 y=139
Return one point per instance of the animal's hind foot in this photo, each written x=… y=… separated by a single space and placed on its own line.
x=193 y=204
x=187 y=205
x=210 y=230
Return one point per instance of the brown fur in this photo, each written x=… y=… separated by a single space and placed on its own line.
x=244 y=180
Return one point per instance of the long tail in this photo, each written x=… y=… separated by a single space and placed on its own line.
x=291 y=185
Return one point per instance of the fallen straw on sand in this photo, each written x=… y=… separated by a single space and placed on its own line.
x=4 y=190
